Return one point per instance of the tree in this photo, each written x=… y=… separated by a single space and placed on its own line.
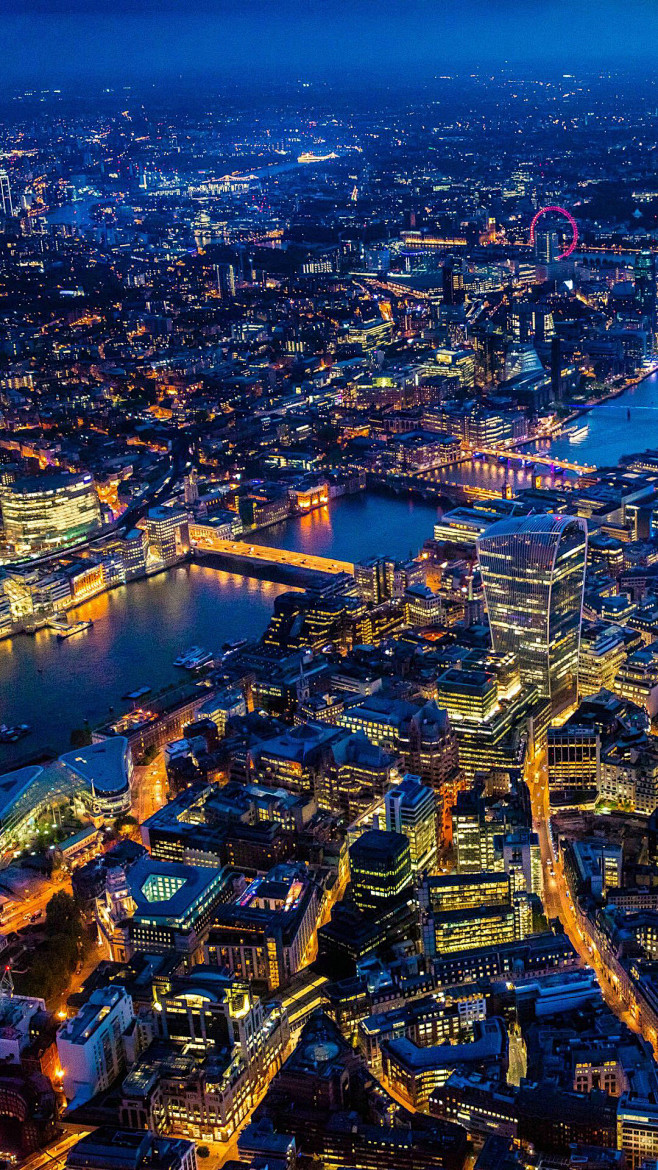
x=125 y=824
x=62 y=915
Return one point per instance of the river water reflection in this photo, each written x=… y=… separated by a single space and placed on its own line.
x=139 y=629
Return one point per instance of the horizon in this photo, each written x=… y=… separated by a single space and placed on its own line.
x=66 y=41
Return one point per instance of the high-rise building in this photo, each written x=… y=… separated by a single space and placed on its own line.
x=547 y=245
x=533 y=573
x=646 y=287
x=380 y=868
x=5 y=194
x=453 y=281
x=411 y=809
x=168 y=533
x=48 y=511
x=225 y=280
x=602 y=654
x=472 y=834
x=91 y=1046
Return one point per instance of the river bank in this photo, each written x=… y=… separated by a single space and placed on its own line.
x=140 y=628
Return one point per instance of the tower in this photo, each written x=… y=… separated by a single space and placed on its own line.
x=5 y=194
x=547 y=245
x=646 y=288
x=533 y=573
x=191 y=488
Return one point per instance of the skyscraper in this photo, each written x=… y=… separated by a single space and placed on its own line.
x=380 y=868
x=533 y=572
x=5 y=194
x=646 y=288
x=547 y=245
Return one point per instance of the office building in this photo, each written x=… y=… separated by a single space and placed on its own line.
x=49 y=511
x=414 y=1071
x=574 y=763
x=167 y=532
x=106 y=770
x=533 y=573
x=411 y=809
x=108 y=1148
x=646 y=288
x=380 y=868
x=602 y=652
x=472 y=834
x=158 y=906
x=5 y=194
x=432 y=1019
x=637 y=679
x=92 y=1045
x=637 y=1128
x=266 y=935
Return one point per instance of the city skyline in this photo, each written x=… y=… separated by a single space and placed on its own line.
x=328 y=587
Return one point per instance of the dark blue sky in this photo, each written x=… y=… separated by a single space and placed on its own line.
x=53 y=41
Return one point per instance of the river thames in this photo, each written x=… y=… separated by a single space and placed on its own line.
x=140 y=628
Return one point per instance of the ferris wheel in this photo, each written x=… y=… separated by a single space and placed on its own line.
x=553 y=209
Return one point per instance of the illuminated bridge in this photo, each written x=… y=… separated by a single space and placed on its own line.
x=546 y=460
x=529 y=458
x=262 y=556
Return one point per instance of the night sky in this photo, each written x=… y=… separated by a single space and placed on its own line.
x=51 y=42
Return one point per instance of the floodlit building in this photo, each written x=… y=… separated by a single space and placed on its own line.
x=91 y=1046
x=411 y=809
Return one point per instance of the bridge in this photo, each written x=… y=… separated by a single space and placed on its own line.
x=519 y=456
x=262 y=555
x=545 y=460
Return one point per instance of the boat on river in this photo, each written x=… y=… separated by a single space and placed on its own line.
x=67 y=630
x=194 y=658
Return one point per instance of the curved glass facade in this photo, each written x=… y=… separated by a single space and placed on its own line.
x=49 y=511
x=533 y=572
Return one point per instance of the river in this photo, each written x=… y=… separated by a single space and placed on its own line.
x=140 y=628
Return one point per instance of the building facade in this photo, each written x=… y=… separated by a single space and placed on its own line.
x=533 y=573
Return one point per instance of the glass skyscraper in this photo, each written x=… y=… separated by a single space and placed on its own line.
x=533 y=572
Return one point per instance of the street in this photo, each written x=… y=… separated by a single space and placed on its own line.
x=149 y=789
x=557 y=903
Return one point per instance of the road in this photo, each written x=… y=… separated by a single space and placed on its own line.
x=54 y=1156
x=26 y=902
x=149 y=789
x=557 y=902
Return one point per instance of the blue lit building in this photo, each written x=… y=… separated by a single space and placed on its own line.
x=533 y=573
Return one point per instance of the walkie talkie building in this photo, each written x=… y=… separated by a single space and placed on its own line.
x=533 y=572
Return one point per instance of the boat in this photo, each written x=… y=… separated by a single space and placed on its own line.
x=182 y=658
x=74 y=628
x=138 y=694
x=577 y=432
x=194 y=658
x=13 y=734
